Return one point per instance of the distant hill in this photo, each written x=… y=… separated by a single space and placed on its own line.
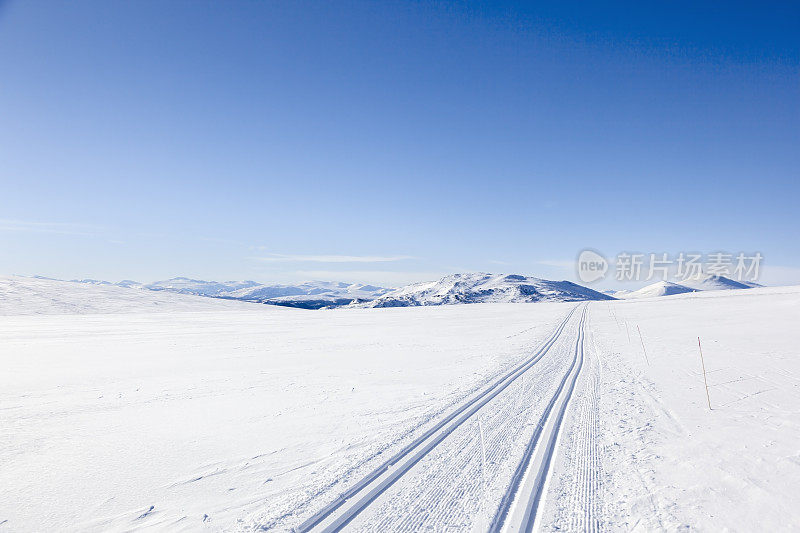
x=453 y=289
x=44 y=296
x=703 y=282
x=198 y=286
x=707 y=282
x=482 y=288
x=308 y=295
x=661 y=288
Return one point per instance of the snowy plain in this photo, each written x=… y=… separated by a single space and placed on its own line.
x=670 y=462
x=226 y=417
x=125 y=410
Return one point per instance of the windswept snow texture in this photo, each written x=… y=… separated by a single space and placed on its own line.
x=484 y=288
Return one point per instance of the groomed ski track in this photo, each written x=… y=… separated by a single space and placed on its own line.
x=483 y=467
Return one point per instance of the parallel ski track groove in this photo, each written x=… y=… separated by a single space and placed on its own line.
x=478 y=401
x=586 y=484
x=531 y=501
x=446 y=492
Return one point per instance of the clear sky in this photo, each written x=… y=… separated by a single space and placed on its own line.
x=390 y=142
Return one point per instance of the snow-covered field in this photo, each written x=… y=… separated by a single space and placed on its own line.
x=669 y=462
x=177 y=412
x=237 y=411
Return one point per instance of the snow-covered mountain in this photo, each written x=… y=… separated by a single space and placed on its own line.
x=46 y=296
x=661 y=288
x=751 y=284
x=703 y=282
x=452 y=289
x=481 y=287
x=199 y=287
x=309 y=295
x=708 y=282
x=127 y=283
x=87 y=281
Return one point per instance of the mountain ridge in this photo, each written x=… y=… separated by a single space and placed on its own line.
x=452 y=289
x=481 y=287
x=698 y=283
x=308 y=294
x=460 y=288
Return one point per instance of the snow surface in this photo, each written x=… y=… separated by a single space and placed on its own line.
x=235 y=412
x=482 y=288
x=663 y=461
x=194 y=414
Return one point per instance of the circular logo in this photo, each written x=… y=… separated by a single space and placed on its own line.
x=591 y=266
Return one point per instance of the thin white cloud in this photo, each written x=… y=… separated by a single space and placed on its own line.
x=560 y=263
x=61 y=228
x=285 y=258
x=378 y=277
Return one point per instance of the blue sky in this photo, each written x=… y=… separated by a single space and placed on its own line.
x=390 y=142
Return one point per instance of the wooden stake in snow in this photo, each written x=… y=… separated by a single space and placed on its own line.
x=644 y=351
x=628 y=331
x=705 y=380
